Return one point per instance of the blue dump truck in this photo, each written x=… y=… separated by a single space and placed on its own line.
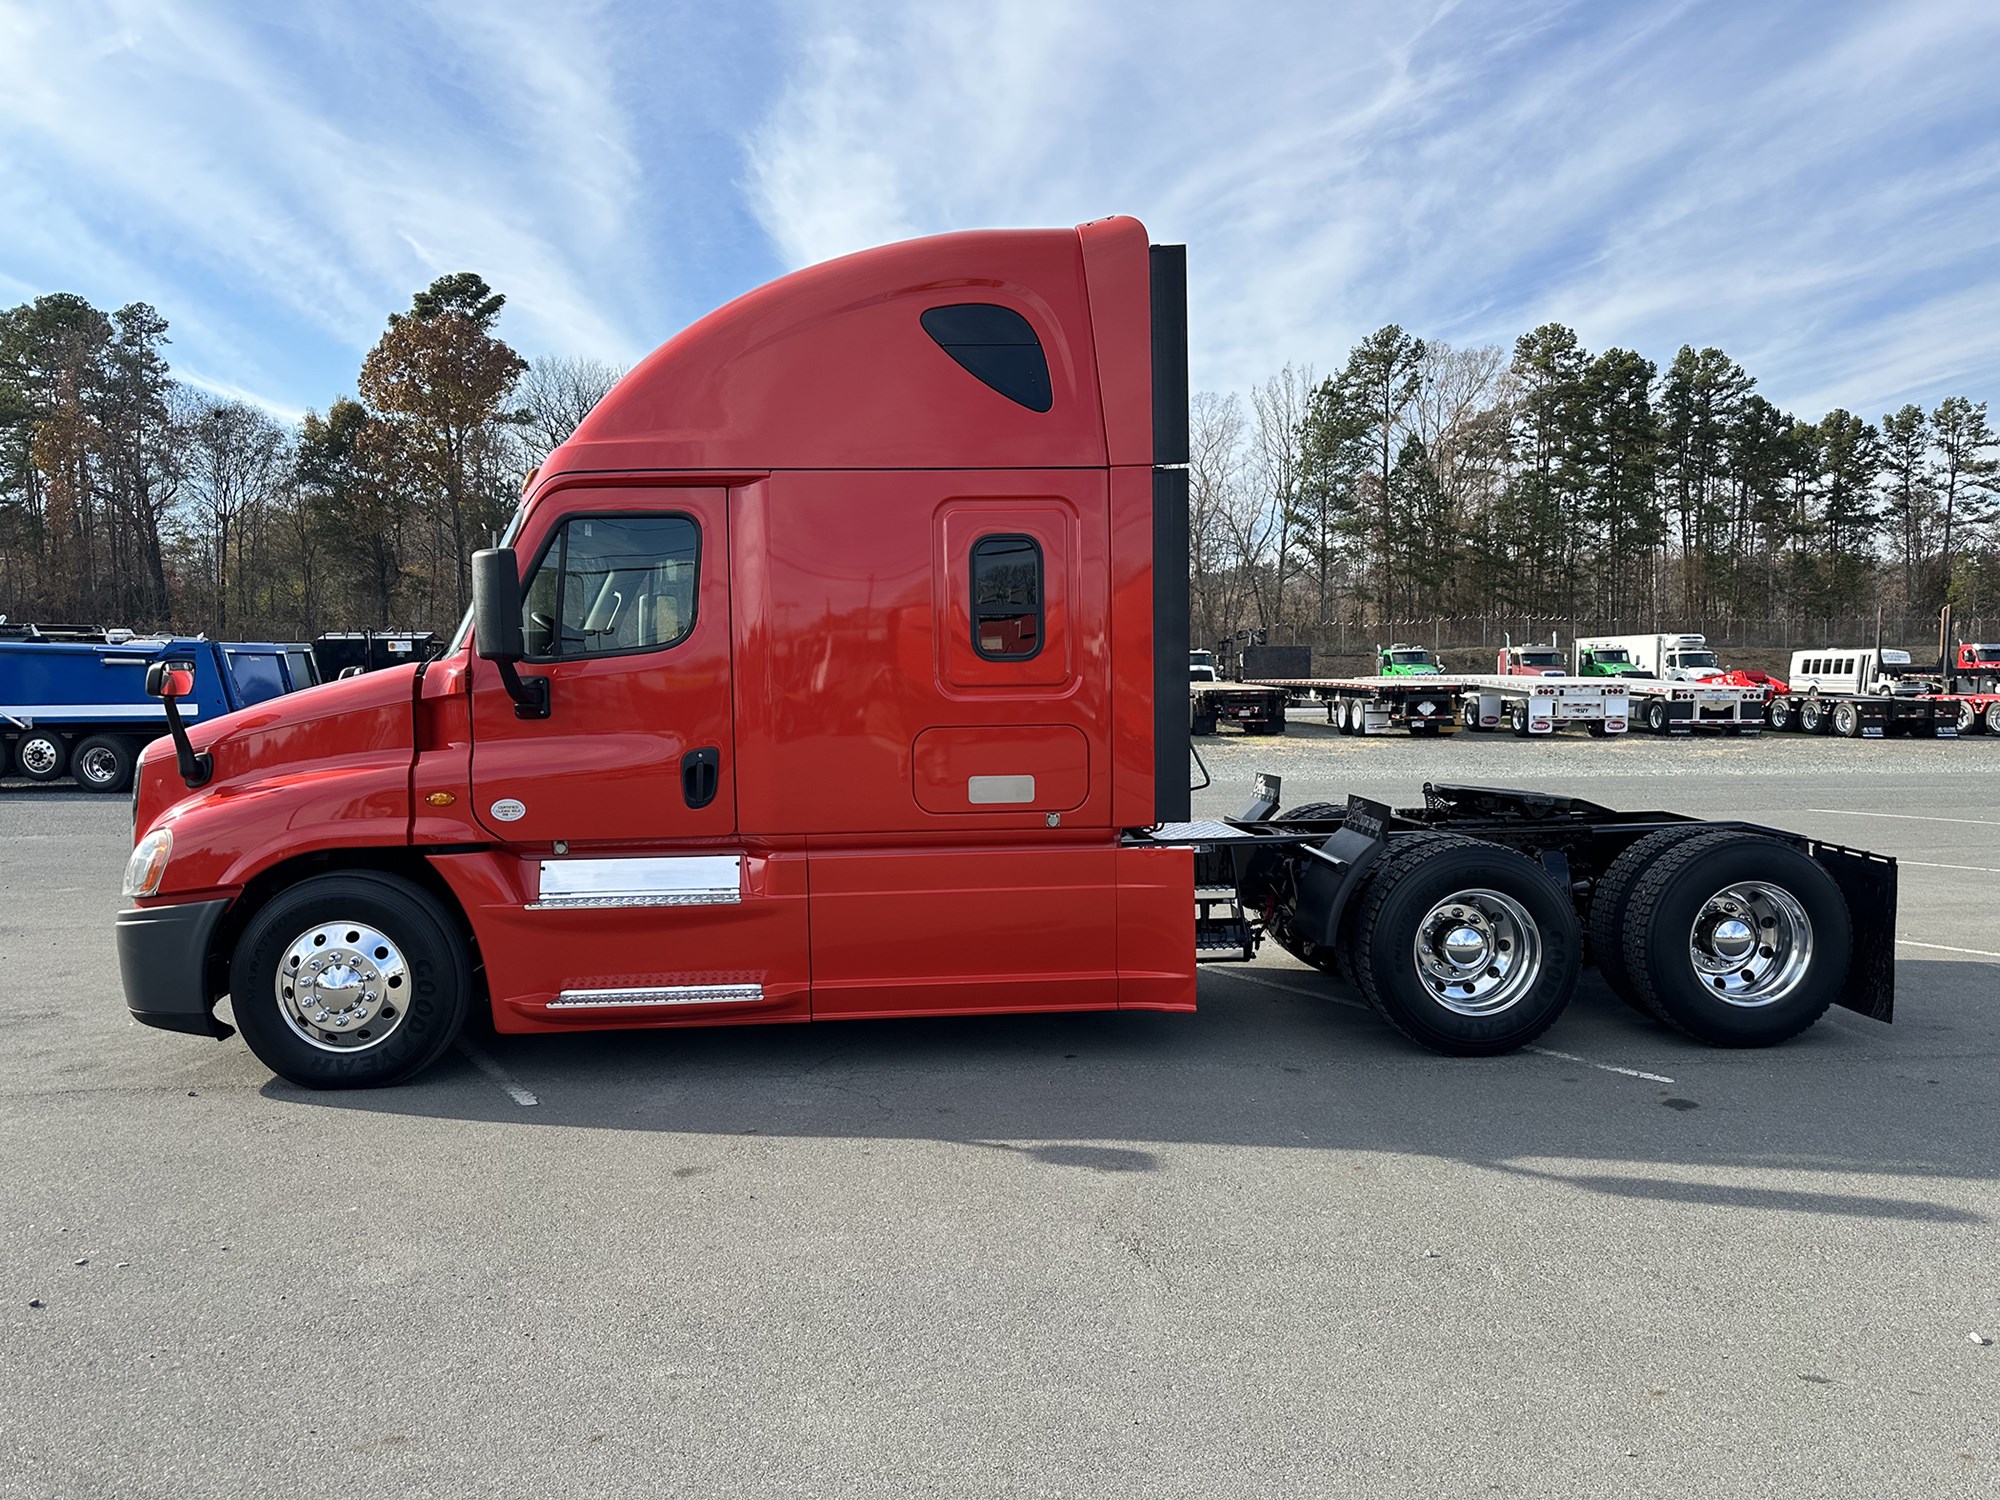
x=73 y=699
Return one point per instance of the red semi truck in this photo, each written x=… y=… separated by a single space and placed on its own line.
x=834 y=668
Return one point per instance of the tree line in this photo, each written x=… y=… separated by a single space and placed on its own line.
x=130 y=498
x=1425 y=482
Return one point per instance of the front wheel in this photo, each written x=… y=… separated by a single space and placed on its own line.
x=1466 y=947
x=1737 y=939
x=350 y=981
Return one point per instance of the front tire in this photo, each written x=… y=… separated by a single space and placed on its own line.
x=1467 y=948
x=103 y=763
x=1736 y=939
x=350 y=981
x=41 y=755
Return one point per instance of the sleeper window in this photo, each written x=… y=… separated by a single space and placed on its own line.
x=1006 y=597
x=612 y=584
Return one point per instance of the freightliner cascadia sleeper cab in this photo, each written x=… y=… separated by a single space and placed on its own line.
x=834 y=669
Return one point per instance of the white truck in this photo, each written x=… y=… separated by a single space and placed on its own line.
x=1671 y=658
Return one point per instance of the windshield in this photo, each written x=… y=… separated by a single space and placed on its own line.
x=507 y=537
x=1541 y=658
x=1410 y=658
x=1696 y=658
x=1613 y=656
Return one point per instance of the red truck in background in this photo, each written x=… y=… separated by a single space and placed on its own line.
x=834 y=669
x=1532 y=661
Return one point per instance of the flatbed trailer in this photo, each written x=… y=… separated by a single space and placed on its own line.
x=1687 y=707
x=1868 y=716
x=1252 y=708
x=1434 y=705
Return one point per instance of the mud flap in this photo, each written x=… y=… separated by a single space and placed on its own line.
x=1333 y=870
x=1868 y=882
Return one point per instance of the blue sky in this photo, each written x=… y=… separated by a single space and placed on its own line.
x=1812 y=185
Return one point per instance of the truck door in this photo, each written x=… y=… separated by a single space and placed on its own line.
x=626 y=597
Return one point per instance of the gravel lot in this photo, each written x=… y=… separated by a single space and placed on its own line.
x=1267 y=1249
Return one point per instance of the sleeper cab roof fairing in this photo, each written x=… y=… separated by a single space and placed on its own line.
x=832 y=367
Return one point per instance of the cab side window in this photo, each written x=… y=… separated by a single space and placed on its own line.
x=608 y=585
x=1006 y=597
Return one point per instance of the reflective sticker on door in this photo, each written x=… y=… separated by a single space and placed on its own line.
x=507 y=810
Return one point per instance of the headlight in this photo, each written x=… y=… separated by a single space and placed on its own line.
x=148 y=863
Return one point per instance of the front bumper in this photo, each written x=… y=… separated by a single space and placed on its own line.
x=163 y=961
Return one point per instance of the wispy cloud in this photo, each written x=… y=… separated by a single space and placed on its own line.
x=1809 y=184
x=1806 y=184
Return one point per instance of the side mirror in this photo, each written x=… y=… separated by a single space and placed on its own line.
x=496 y=605
x=170 y=681
x=496 y=628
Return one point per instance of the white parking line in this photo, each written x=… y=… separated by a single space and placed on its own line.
x=1293 y=989
x=499 y=1075
x=1848 y=812
x=1931 y=864
x=1601 y=1067
x=1947 y=948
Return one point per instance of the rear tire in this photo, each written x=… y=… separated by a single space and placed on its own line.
x=1778 y=714
x=1813 y=719
x=1465 y=947
x=1656 y=717
x=42 y=755
x=1517 y=720
x=1847 y=721
x=394 y=930
x=1611 y=898
x=1736 y=939
x=1993 y=718
x=103 y=763
x=1969 y=721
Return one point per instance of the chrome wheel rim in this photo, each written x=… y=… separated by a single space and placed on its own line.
x=343 y=987
x=1968 y=718
x=1751 y=943
x=1844 y=717
x=99 y=765
x=39 y=755
x=1478 y=952
x=1993 y=717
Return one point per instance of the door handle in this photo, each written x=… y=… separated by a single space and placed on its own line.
x=701 y=775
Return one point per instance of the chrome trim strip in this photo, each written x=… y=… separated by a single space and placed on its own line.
x=677 y=880
x=676 y=994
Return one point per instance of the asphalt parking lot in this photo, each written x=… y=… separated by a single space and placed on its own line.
x=1267 y=1249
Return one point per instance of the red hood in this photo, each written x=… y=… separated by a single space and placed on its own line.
x=365 y=715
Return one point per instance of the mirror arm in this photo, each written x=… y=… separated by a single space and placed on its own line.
x=195 y=766
x=530 y=694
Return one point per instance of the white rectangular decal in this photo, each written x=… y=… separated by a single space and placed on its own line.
x=991 y=789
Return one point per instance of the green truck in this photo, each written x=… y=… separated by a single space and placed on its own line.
x=1404 y=660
